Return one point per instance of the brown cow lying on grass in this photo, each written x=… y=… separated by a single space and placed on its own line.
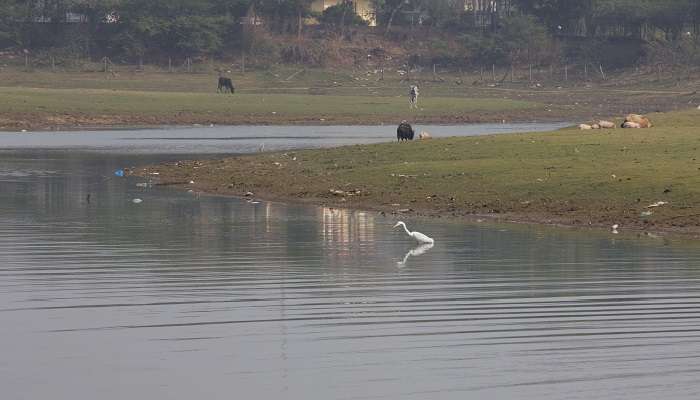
x=636 y=121
x=631 y=121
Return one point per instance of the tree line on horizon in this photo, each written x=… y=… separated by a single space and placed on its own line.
x=487 y=31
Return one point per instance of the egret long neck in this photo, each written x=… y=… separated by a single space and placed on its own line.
x=406 y=229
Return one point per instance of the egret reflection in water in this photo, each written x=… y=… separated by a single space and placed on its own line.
x=418 y=251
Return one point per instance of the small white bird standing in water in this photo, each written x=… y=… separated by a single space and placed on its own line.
x=614 y=228
x=421 y=238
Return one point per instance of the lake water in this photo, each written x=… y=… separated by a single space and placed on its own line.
x=186 y=296
x=241 y=139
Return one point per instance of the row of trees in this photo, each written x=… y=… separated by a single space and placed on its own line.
x=488 y=30
x=644 y=19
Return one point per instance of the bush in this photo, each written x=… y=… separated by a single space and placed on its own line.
x=613 y=53
x=342 y=14
x=517 y=39
x=484 y=50
x=315 y=54
x=444 y=53
x=264 y=49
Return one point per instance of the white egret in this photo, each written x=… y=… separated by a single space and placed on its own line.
x=420 y=238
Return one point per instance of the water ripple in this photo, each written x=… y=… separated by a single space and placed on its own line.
x=284 y=301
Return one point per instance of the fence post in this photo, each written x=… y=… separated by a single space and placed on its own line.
x=566 y=72
x=585 y=71
x=601 y=71
x=530 y=66
x=512 y=73
x=26 y=61
x=493 y=72
x=170 y=65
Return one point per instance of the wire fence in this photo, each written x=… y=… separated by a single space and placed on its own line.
x=491 y=75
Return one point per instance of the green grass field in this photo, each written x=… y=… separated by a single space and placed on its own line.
x=45 y=100
x=41 y=99
x=102 y=101
x=571 y=177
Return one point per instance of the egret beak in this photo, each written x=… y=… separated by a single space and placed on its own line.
x=397 y=224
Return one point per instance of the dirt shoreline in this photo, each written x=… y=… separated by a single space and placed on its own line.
x=172 y=176
x=81 y=122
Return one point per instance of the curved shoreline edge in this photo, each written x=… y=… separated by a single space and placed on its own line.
x=566 y=178
x=76 y=122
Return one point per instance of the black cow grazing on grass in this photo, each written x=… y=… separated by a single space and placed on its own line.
x=404 y=131
x=225 y=85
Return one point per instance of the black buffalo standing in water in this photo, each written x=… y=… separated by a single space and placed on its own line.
x=404 y=131
x=225 y=85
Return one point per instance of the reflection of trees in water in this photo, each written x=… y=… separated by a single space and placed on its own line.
x=56 y=184
x=347 y=234
x=344 y=226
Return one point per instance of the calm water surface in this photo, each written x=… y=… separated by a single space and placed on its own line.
x=186 y=296
x=242 y=139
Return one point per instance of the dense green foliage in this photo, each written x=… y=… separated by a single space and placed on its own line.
x=499 y=31
x=340 y=15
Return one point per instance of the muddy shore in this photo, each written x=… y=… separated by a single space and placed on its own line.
x=78 y=121
x=563 y=178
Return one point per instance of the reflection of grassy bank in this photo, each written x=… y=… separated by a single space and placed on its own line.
x=568 y=177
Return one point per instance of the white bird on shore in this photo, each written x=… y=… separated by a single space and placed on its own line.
x=420 y=238
x=614 y=228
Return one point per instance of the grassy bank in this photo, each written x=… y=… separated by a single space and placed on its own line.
x=571 y=177
x=32 y=107
x=284 y=95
